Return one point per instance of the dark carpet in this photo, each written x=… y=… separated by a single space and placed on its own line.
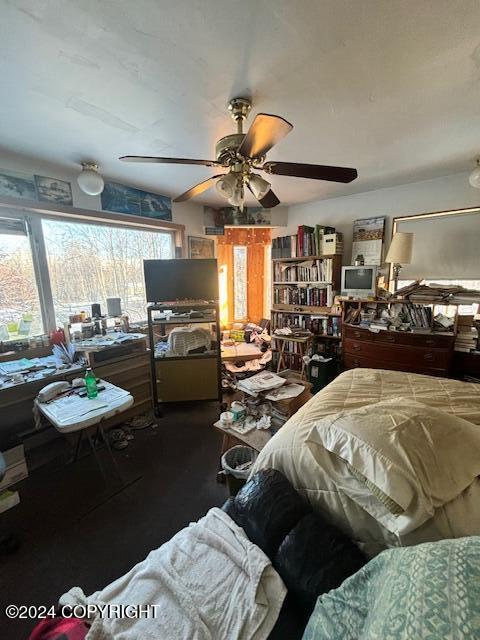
x=77 y=529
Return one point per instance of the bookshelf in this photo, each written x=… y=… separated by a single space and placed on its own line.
x=303 y=288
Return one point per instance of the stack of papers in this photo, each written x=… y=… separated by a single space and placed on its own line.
x=263 y=381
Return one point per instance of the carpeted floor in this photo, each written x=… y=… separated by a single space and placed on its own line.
x=78 y=530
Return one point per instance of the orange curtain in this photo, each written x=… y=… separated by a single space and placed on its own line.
x=255 y=240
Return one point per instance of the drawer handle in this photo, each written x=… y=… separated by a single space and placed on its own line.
x=356 y=347
x=357 y=334
x=390 y=338
x=430 y=342
x=356 y=363
x=428 y=356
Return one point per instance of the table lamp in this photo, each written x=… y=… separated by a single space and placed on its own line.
x=399 y=253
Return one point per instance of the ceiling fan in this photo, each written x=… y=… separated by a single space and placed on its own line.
x=244 y=153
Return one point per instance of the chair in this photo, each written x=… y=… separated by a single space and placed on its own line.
x=8 y=542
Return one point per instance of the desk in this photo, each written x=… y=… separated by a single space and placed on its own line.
x=130 y=372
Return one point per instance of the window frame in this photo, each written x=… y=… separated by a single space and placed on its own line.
x=32 y=221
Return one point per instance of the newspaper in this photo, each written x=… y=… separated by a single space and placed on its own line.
x=263 y=381
x=285 y=392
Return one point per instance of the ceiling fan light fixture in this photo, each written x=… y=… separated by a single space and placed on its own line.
x=226 y=185
x=90 y=181
x=236 y=200
x=259 y=186
x=474 y=177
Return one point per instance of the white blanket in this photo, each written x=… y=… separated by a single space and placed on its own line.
x=208 y=582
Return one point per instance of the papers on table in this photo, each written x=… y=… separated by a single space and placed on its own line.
x=263 y=381
x=287 y=391
x=68 y=407
x=15 y=366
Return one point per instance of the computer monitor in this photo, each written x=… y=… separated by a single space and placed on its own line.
x=359 y=282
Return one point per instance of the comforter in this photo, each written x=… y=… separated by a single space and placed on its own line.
x=287 y=452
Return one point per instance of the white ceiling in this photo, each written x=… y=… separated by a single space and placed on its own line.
x=391 y=87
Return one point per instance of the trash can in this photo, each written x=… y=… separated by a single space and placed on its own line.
x=237 y=463
x=321 y=373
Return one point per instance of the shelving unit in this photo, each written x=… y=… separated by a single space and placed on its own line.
x=196 y=376
x=326 y=335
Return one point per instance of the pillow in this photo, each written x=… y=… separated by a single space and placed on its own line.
x=267 y=507
x=407 y=459
x=314 y=558
x=427 y=591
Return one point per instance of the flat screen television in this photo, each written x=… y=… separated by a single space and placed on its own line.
x=170 y=280
x=359 y=282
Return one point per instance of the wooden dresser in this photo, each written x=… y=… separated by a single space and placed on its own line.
x=430 y=354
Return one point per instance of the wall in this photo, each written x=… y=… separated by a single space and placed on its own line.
x=440 y=194
x=186 y=213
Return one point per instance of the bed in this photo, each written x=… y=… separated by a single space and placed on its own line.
x=288 y=452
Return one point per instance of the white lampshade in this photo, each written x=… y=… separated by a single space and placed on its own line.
x=259 y=186
x=226 y=185
x=474 y=177
x=90 y=181
x=400 y=250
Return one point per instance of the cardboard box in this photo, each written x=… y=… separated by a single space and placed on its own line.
x=16 y=466
x=332 y=243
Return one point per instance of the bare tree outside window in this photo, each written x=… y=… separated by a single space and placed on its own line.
x=18 y=290
x=89 y=263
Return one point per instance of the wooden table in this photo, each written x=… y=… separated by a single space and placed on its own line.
x=258 y=438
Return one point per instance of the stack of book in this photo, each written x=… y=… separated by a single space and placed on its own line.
x=319 y=270
x=308 y=241
x=310 y=296
x=467 y=335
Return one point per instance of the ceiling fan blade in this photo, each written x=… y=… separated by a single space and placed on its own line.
x=265 y=132
x=198 y=189
x=268 y=201
x=206 y=163
x=312 y=171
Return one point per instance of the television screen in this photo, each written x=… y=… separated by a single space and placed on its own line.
x=168 y=280
x=360 y=278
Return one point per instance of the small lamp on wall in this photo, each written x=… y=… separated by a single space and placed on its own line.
x=399 y=253
x=89 y=180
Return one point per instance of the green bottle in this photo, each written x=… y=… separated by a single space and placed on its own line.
x=91 y=384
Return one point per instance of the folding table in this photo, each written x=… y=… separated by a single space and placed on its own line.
x=71 y=414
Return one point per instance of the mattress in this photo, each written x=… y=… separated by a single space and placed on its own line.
x=287 y=453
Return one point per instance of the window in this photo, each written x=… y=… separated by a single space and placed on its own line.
x=240 y=282
x=20 y=312
x=51 y=268
x=89 y=263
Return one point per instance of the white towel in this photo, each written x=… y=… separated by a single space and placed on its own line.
x=210 y=582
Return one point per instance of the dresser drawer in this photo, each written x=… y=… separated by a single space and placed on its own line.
x=358 y=334
x=397 y=353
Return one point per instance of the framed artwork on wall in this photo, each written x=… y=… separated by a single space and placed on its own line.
x=53 y=190
x=200 y=247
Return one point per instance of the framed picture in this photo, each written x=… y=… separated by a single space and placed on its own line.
x=200 y=247
x=367 y=242
x=122 y=199
x=53 y=190
x=14 y=184
x=232 y=216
